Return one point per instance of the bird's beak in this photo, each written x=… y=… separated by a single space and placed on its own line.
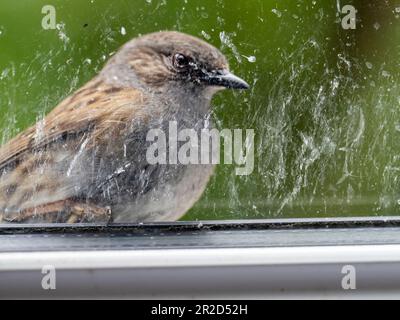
x=223 y=78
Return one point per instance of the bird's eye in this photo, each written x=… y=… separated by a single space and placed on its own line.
x=180 y=61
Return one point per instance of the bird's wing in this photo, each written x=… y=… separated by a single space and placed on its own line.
x=96 y=106
x=34 y=166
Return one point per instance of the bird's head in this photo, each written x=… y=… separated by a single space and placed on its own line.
x=166 y=60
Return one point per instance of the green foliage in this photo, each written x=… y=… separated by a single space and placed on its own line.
x=324 y=101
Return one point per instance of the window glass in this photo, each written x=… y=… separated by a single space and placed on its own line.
x=324 y=97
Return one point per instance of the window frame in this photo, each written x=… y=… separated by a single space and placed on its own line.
x=200 y=271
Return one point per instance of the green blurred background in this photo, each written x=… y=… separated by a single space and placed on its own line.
x=324 y=103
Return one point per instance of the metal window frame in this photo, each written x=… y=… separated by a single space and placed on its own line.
x=231 y=268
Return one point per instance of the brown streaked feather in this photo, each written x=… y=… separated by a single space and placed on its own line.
x=65 y=211
x=30 y=179
x=75 y=114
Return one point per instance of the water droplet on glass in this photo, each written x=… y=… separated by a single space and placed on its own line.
x=250 y=59
x=377 y=26
x=205 y=35
x=369 y=65
x=123 y=31
x=277 y=13
x=226 y=39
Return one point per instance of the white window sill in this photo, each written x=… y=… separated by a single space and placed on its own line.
x=285 y=262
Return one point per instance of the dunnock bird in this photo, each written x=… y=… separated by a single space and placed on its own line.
x=86 y=160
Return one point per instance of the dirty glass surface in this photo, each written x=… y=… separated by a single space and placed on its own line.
x=324 y=101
